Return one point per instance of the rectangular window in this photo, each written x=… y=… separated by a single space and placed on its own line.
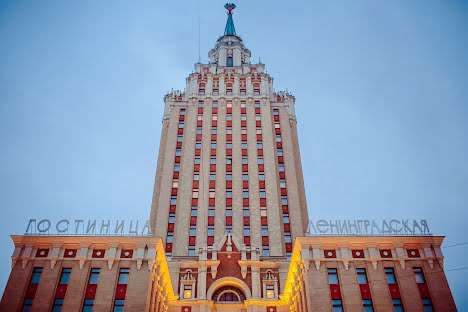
x=261 y=176
x=229 y=104
x=246 y=212
x=196 y=176
x=229 y=117
x=257 y=117
x=361 y=274
x=229 y=194
x=367 y=304
x=245 y=193
x=337 y=305
x=228 y=229
x=260 y=160
x=285 y=218
x=280 y=151
x=244 y=160
x=88 y=305
x=176 y=167
x=275 y=112
x=187 y=291
x=170 y=237
x=243 y=117
x=266 y=251
x=390 y=274
x=214 y=130
x=65 y=276
x=173 y=200
x=246 y=230
x=178 y=152
x=245 y=176
x=242 y=91
x=228 y=130
x=287 y=237
x=199 y=130
x=198 y=145
x=211 y=211
x=119 y=305
x=418 y=275
x=182 y=111
x=179 y=137
x=175 y=184
x=94 y=276
x=332 y=276
x=36 y=276
x=228 y=211
x=264 y=230
x=214 y=117
x=215 y=104
x=228 y=160
x=270 y=291
x=243 y=130
x=195 y=194
x=27 y=304
x=213 y=144
x=197 y=160
x=123 y=276
x=194 y=211
x=191 y=251
x=244 y=145
x=284 y=200
x=212 y=176
x=281 y=167
x=171 y=217
x=278 y=138
x=181 y=124
x=229 y=91
x=262 y=193
x=228 y=176
x=215 y=92
x=282 y=183
x=58 y=304
x=257 y=104
x=427 y=303
x=193 y=230
x=200 y=104
x=259 y=145
x=228 y=146
x=256 y=92
x=210 y=230
x=259 y=130
x=202 y=92
x=213 y=160
x=398 y=305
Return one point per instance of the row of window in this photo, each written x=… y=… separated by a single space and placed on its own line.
x=88 y=303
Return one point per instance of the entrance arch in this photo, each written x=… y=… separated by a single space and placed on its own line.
x=229 y=281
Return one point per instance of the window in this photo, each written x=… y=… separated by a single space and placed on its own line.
x=427 y=303
x=245 y=193
x=94 y=276
x=337 y=305
x=266 y=251
x=282 y=183
x=197 y=160
x=242 y=91
x=332 y=276
x=229 y=61
x=119 y=305
x=194 y=211
x=398 y=305
x=257 y=92
x=202 y=92
x=36 y=276
x=288 y=255
x=229 y=194
x=200 y=104
x=390 y=274
x=211 y=211
x=187 y=291
x=213 y=160
x=170 y=237
x=245 y=176
x=57 y=307
x=193 y=230
x=123 y=275
x=176 y=167
x=229 y=117
x=257 y=117
x=228 y=176
x=270 y=291
x=278 y=138
x=242 y=104
x=244 y=145
x=228 y=146
x=257 y=104
x=214 y=117
x=281 y=167
x=229 y=160
x=214 y=130
x=88 y=305
x=198 y=145
x=191 y=251
x=261 y=176
x=65 y=276
x=179 y=137
x=215 y=104
x=171 y=217
x=260 y=160
x=27 y=304
x=229 y=130
x=229 y=104
x=285 y=218
x=196 y=176
x=229 y=91
x=259 y=130
x=182 y=111
x=181 y=124
x=361 y=274
x=418 y=275
x=244 y=160
x=259 y=145
x=173 y=200
x=263 y=212
x=210 y=230
x=213 y=144
x=199 y=130
x=367 y=304
x=262 y=193
x=212 y=176
x=215 y=92
x=284 y=200
x=243 y=117
x=246 y=212
x=264 y=230
x=195 y=194
x=243 y=130
x=200 y=117
x=246 y=230
x=280 y=152
x=228 y=211
x=275 y=112
x=287 y=237
x=178 y=152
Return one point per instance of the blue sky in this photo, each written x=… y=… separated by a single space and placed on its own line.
x=381 y=98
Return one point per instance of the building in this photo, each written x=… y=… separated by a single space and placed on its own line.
x=229 y=219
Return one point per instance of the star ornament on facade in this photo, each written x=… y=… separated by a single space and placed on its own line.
x=229 y=7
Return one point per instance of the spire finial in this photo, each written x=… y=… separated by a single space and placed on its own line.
x=230 y=30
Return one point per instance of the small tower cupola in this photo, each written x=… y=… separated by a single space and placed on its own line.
x=229 y=50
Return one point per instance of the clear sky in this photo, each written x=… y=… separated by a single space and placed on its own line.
x=381 y=99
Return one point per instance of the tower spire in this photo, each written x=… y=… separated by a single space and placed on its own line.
x=230 y=30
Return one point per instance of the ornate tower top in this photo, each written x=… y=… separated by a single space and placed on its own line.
x=230 y=30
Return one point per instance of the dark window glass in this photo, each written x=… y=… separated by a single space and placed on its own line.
x=229 y=61
x=57 y=307
x=36 y=276
x=123 y=275
x=27 y=304
x=332 y=276
x=427 y=303
x=367 y=304
x=88 y=305
x=390 y=274
x=337 y=305
x=94 y=276
x=418 y=275
x=65 y=276
x=362 y=277
x=119 y=305
x=398 y=305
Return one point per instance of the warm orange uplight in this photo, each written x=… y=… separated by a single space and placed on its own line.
x=187 y=294
x=270 y=294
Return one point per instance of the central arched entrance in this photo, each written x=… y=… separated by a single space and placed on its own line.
x=228 y=295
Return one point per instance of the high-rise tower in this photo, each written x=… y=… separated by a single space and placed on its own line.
x=229 y=160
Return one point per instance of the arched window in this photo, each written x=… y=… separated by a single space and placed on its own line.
x=229 y=61
x=228 y=294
